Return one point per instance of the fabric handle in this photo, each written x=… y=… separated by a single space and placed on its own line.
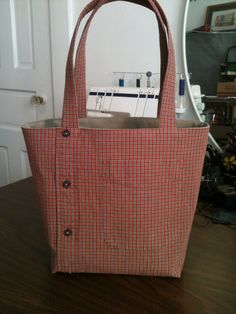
x=75 y=87
x=80 y=90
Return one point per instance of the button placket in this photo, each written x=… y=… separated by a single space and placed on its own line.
x=66 y=184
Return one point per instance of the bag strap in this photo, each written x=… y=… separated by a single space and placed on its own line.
x=75 y=85
x=75 y=79
x=228 y=53
x=82 y=59
x=81 y=50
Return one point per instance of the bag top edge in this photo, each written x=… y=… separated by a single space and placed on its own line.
x=117 y=123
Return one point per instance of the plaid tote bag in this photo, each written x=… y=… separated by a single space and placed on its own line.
x=118 y=194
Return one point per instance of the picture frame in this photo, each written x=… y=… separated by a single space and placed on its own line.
x=221 y=17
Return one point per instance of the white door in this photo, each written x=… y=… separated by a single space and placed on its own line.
x=25 y=71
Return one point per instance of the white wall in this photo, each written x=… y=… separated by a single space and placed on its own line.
x=197 y=12
x=124 y=37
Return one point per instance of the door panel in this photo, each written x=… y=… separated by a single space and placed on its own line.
x=16 y=108
x=22 y=36
x=14 y=164
x=25 y=71
x=4 y=178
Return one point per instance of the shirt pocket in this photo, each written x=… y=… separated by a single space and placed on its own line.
x=137 y=200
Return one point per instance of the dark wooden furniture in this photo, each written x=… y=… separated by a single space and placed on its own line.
x=208 y=283
x=220 y=113
x=223 y=107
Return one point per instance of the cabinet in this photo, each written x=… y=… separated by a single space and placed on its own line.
x=205 y=52
x=220 y=114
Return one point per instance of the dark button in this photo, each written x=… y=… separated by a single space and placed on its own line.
x=66 y=184
x=66 y=133
x=67 y=232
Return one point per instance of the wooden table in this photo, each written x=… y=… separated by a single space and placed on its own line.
x=208 y=283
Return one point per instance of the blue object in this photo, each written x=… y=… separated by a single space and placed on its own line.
x=181 y=86
x=121 y=82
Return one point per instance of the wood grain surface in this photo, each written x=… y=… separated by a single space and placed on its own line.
x=208 y=283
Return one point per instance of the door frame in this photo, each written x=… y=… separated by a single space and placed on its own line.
x=61 y=23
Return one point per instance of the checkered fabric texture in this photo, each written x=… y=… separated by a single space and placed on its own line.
x=121 y=200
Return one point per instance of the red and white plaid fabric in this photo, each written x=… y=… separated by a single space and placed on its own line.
x=118 y=200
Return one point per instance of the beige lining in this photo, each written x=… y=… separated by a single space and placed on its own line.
x=115 y=123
